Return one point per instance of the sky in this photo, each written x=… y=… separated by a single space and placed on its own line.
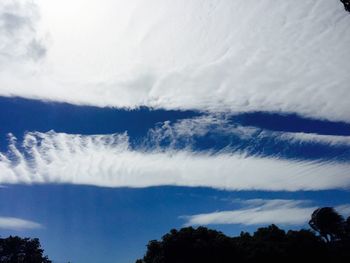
x=120 y=120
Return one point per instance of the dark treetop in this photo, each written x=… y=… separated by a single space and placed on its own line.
x=330 y=241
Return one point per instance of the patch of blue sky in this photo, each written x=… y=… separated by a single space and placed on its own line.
x=120 y=221
x=258 y=134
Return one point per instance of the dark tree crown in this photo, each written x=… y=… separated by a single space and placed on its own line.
x=328 y=241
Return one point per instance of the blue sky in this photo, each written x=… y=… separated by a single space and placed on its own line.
x=118 y=222
x=124 y=119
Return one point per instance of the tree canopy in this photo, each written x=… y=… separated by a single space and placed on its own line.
x=14 y=249
x=328 y=223
x=328 y=240
x=346 y=4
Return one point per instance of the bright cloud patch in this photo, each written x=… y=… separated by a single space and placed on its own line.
x=260 y=212
x=21 y=44
x=13 y=223
x=109 y=160
x=244 y=55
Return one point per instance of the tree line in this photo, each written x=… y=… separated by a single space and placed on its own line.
x=328 y=240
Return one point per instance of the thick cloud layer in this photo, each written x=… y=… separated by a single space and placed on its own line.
x=109 y=160
x=20 y=41
x=222 y=55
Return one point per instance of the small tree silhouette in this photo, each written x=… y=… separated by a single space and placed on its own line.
x=328 y=223
x=346 y=4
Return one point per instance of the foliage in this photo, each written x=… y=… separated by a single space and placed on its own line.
x=190 y=245
x=346 y=4
x=21 y=250
x=328 y=223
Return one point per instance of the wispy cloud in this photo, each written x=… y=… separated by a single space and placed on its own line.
x=258 y=212
x=13 y=223
x=184 y=133
x=212 y=56
x=109 y=160
x=262 y=212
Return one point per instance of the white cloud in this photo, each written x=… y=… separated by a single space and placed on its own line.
x=108 y=160
x=13 y=223
x=343 y=210
x=19 y=38
x=300 y=137
x=262 y=212
x=284 y=212
x=185 y=130
x=244 y=55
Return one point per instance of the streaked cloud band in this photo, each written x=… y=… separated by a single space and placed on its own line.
x=109 y=160
x=282 y=212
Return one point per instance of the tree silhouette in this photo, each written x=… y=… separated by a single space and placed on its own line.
x=21 y=250
x=328 y=223
x=190 y=245
x=347 y=228
x=346 y=4
x=202 y=245
x=270 y=244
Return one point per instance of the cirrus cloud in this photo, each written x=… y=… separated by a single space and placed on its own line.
x=260 y=212
x=109 y=160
